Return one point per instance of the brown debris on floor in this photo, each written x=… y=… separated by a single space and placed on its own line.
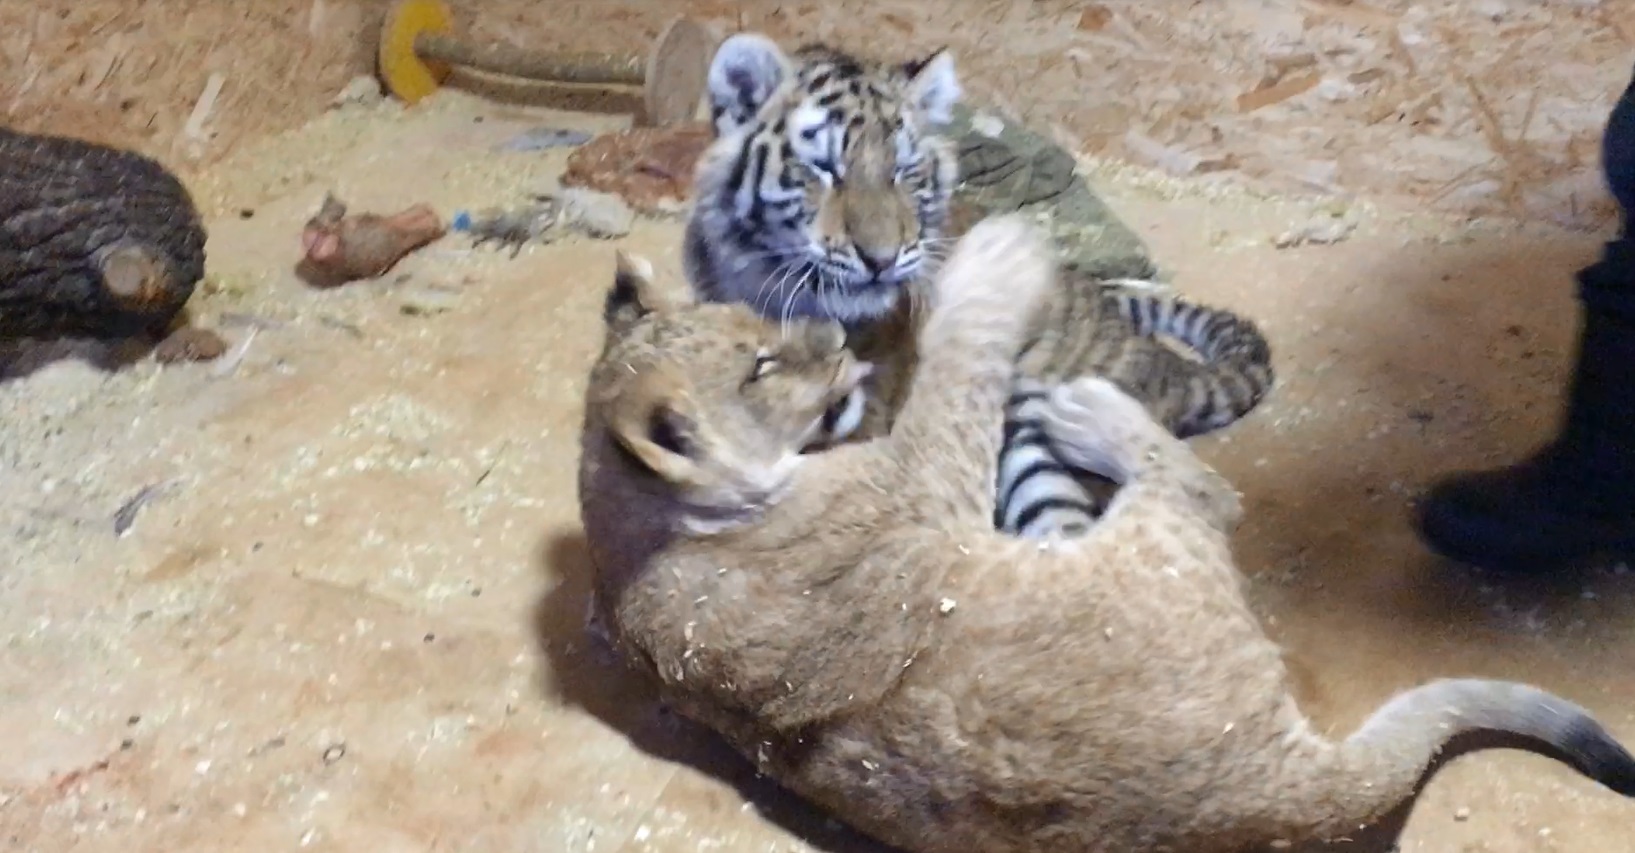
x=650 y=168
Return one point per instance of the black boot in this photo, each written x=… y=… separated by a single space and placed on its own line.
x=1573 y=500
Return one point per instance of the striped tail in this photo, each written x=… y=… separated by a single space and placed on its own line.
x=1041 y=497
x=1235 y=373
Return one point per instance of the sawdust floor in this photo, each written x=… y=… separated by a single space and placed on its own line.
x=350 y=617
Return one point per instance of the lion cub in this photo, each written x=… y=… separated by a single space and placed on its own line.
x=851 y=620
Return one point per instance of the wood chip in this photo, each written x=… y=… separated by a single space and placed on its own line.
x=193 y=131
x=1094 y=18
x=1278 y=92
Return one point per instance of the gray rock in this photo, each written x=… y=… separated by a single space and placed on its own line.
x=601 y=215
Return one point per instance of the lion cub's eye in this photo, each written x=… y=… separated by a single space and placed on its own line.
x=764 y=363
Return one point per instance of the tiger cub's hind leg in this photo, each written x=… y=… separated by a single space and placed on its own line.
x=1094 y=425
x=1040 y=496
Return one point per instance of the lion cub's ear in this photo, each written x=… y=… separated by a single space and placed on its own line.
x=650 y=421
x=636 y=291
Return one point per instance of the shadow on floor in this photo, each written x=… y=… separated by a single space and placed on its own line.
x=21 y=358
x=586 y=674
x=1441 y=359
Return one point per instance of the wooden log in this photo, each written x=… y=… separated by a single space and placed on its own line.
x=94 y=241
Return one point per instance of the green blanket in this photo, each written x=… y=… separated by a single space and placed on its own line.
x=1020 y=170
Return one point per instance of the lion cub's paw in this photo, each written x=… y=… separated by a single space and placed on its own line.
x=1094 y=425
x=1005 y=261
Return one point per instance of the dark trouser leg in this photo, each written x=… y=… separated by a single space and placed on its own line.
x=1575 y=498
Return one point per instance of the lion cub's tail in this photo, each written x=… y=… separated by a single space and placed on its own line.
x=1375 y=774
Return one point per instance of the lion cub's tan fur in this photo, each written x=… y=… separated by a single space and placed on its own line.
x=851 y=620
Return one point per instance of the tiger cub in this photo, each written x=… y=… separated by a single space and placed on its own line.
x=828 y=193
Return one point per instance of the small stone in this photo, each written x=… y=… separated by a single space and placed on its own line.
x=1462 y=815
x=601 y=215
x=362 y=89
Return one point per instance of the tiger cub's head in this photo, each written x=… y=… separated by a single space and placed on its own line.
x=828 y=182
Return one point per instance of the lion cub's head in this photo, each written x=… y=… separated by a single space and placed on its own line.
x=713 y=401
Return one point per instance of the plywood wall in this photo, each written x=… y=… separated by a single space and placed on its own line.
x=1477 y=106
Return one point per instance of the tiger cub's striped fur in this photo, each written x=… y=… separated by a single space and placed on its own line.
x=825 y=194
x=1120 y=334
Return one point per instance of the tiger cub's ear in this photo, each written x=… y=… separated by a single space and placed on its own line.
x=933 y=86
x=747 y=69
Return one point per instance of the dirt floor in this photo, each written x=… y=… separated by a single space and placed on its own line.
x=349 y=614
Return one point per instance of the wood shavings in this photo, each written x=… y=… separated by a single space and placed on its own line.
x=316 y=17
x=1621 y=24
x=1172 y=159
x=194 y=129
x=103 y=64
x=1354 y=13
x=1322 y=231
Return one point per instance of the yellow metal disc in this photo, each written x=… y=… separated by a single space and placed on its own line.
x=404 y=73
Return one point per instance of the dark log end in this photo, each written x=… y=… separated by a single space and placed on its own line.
x=137 y=277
